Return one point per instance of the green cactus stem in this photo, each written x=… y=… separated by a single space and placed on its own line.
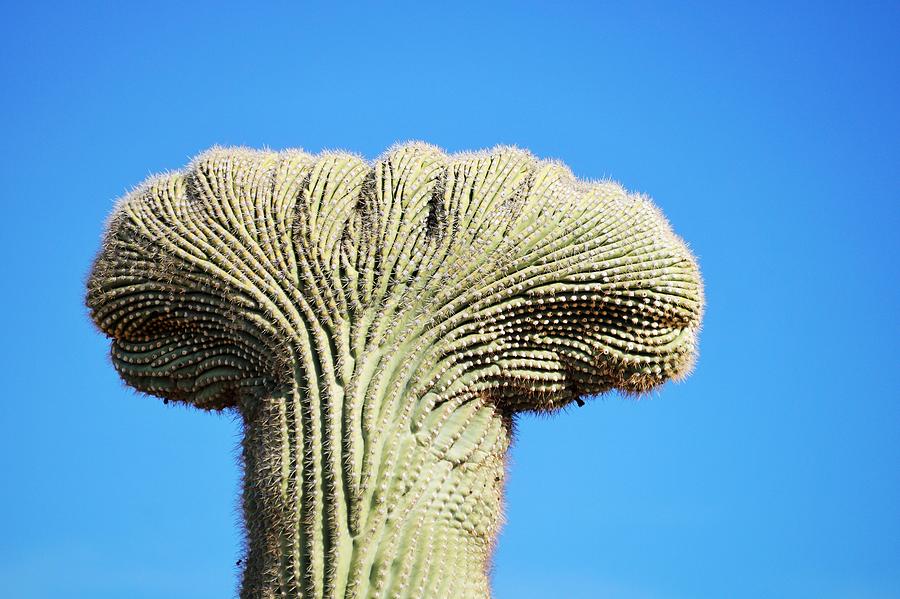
x=377 y=326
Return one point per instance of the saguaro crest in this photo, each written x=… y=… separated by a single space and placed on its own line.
x=377 y=325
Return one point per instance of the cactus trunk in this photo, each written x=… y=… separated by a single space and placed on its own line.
x=415 y=524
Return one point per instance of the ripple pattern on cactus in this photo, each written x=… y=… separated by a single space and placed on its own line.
x=377 y=325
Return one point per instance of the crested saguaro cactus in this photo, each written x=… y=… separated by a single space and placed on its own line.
x=377 y=325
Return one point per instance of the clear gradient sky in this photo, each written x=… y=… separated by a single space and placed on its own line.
x=767 y=133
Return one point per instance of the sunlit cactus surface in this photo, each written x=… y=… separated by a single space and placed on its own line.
x=377 y=326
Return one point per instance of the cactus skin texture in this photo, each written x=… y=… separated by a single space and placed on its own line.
x=377 y=325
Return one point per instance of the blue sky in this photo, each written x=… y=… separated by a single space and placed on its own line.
x=767 y=133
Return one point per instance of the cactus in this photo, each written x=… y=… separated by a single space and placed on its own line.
x=377 y=326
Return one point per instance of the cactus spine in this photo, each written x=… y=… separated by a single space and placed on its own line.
x=377 y=325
